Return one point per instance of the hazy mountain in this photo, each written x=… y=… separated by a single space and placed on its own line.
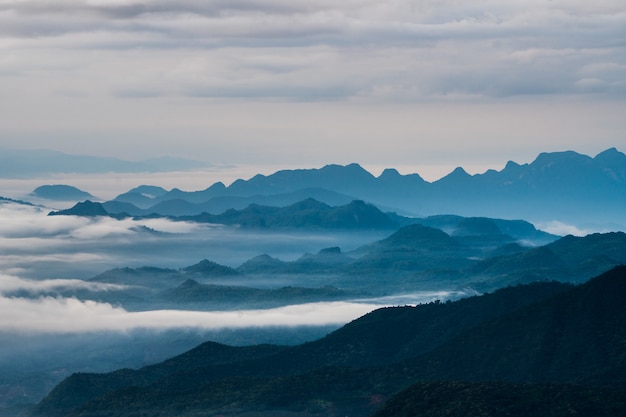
x=16 y=163
x=86 y=208
x=142 y=196
x=418 y=257
x=164 y=278
x=222 y=297
x=537 y=334
x=217 y=199
x=564 y=186
x=414 y=258
x=474 y=252
x=307 y=214
x=572 y=259
x=310 y=213
x=61 y=192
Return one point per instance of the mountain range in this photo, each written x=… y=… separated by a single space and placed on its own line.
x=24 y=163
x=413 y=258
x=561 y=186
x=544 y=346
x=565 y=186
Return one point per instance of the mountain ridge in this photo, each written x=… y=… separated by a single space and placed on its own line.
x=540 y=340
x=564 y=186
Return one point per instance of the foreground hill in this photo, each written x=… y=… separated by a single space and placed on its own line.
x=540 y=334
x=495 y=399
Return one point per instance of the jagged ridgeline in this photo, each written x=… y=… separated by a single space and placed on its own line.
x=549 y=347
x=566 y=186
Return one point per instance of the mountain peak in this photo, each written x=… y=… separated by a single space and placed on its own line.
x=546 y=159
x=389 y=173
x=458 y=174
x=210 y=268
x=611 y=152
x=85 y=209
x=61 y=192
x=151 y=191
x=610 y=157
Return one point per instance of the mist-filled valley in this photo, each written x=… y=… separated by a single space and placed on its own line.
x=280 y=208
x=322 y=270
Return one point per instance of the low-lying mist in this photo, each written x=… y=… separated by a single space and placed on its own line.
x=38 y=246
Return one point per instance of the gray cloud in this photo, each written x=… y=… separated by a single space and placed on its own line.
x=445 y=48
x=69 y=315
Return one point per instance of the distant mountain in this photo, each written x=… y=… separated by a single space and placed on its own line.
x=572 y=259
x=19 y=163
x=194 y=287
x=546 y=336
x=222 y=297
x=305 y=214
x=142 y=196
x=209 y=268
x=164 y=278
x=313 y=214
x=564 y=186
x=86 y=208
x=308 y=213
x=475 y=252
x=417 y=257
x=215 y=200
x=61 y=192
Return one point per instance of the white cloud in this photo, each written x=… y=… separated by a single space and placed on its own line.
x=9 y=284
x=562 y=229
x=69 y=315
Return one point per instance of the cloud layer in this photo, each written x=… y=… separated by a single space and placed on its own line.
x=35 y=245
x=317 y=50
x=305 y=83
x=70 y=315
x=60 y=315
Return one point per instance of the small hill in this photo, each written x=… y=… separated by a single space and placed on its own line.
x=208 y=268
x=419 y=238
x=85 y=209
x=209 y=296
x=476 y=226
x=60 y=192
x=571 y=259
x=262 y=264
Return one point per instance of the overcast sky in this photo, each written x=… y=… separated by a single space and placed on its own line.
x=423 y=86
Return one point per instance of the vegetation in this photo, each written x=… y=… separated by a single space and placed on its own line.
x=548 y=347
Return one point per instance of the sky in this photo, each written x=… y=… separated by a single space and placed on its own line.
x=423 y=86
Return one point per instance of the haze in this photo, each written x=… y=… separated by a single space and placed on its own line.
x=423 y=86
